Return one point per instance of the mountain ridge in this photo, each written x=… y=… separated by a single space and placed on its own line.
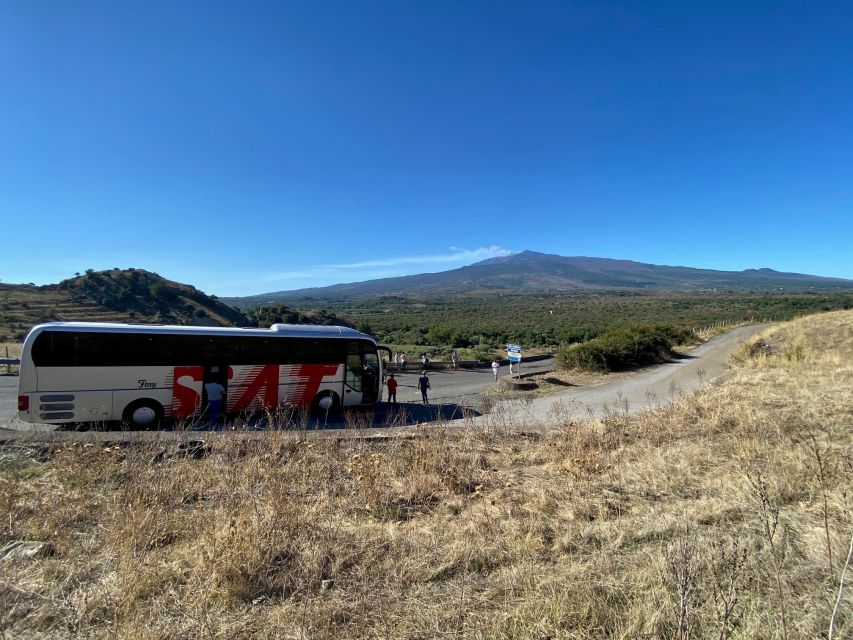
x=534 y=271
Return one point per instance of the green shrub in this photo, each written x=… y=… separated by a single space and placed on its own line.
x=625 y=348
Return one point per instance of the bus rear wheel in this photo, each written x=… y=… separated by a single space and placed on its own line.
x=140 y=415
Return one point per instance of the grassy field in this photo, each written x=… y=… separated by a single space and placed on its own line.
x=725 y=515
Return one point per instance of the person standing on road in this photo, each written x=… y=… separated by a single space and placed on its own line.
x=423 y=385
x=215 y=394
x=425 y=360
x=392 y=389
x=495 y=366
x=454 y=360
x=404 y=362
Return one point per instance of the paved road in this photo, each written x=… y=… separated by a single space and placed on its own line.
x=464 y=386
x=9 y=402
x=452 y=390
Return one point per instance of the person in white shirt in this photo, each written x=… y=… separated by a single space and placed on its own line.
x=495 y=366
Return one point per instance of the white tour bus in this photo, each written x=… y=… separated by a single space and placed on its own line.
x=143 y=375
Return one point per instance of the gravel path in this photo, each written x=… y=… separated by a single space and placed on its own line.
x=648 y=387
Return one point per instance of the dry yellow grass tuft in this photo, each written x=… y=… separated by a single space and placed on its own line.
x=723 y=515
x=10 y=349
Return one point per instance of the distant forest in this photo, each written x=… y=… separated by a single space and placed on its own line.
x=556 y=319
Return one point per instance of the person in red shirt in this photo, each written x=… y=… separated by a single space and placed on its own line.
x=392 y=389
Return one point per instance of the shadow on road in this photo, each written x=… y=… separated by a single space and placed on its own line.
x=675 y=357
x=558 y=382
x=403 y=414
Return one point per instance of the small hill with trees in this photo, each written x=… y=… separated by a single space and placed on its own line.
x=134 y=296
x=148 y=297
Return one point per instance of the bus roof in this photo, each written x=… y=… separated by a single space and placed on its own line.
x=276 y=330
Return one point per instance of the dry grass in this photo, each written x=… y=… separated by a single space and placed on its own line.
x=655 y=526
x=11 y=348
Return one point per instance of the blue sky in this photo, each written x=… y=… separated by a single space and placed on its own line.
x=259 y=146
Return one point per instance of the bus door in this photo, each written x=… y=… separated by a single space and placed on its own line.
x=363 y=375
x=353 y=380
x=215 y=373
x=384 y=361
x=371 y=379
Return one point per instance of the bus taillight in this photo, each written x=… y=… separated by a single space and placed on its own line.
x=23 y=403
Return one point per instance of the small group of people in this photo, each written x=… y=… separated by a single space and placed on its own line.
x=496 y=365
x=401 y=361
x=423 y=385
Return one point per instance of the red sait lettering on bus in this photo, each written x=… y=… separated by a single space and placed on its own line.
x=310 y=377
x=257 y=388
x=186 y=391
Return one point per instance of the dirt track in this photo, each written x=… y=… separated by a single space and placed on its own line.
x=646 y=388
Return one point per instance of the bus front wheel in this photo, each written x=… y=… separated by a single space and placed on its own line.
x=142 y=414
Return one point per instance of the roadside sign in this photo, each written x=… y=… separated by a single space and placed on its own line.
x=513 y=352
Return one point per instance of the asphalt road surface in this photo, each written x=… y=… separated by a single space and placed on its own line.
x=453 y=390
x=9 y=401
x=463 y=386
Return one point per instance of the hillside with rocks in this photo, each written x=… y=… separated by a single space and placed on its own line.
x=118 y=295
x=134 y=296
